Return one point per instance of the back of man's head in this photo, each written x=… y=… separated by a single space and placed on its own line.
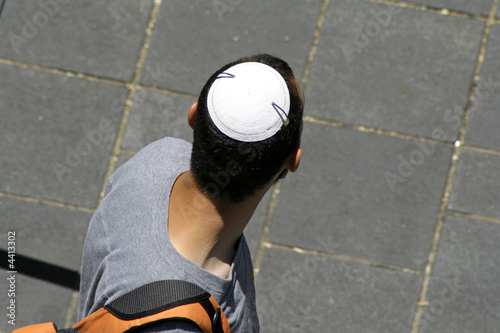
x=233 y=169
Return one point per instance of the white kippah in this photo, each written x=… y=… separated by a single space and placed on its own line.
x=249 y=102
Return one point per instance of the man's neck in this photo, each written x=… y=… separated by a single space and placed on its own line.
x=204 y=230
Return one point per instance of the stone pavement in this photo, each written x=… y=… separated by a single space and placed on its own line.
x=391 y=224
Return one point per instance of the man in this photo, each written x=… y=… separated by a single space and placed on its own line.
x=178 y=212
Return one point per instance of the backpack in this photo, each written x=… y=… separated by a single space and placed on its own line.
x=151 y=304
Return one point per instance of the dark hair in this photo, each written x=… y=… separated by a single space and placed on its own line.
x=234 y=170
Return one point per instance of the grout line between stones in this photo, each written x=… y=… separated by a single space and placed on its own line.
x=451 y=172
x=132 y=90
x=481 y=150
x=314 y=47
x=167 y=91
x=68 y=73
x=46 y=202
x=341 y=257
x=366 y=129
x=315 y=120
x=426 y=8
x=473 y=216
x=128 y=152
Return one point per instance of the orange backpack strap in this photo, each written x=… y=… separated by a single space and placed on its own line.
x=157 y=302
x=37 y=328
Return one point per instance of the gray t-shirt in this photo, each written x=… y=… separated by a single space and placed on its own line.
x=127 y=244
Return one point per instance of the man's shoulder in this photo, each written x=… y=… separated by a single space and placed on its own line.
x=161 y=156
x=167 y=145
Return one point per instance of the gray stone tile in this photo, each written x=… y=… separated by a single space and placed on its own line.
x=464 y=292
x=476 y=184
x=192 y=39
x=301 y=293
x=482 y=7
x=57 y=133
x=482 y=129
x=393 y=68
x=101 y=38
x=50 y=234
x=155 y=116
x=36 y=301
x=364 y=195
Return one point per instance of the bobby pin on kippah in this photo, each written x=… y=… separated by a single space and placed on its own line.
x=240 y=107
x=225 y=75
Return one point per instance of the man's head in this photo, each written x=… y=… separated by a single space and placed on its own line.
x=233 y=169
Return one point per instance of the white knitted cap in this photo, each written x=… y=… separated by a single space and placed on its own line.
x=249 y=102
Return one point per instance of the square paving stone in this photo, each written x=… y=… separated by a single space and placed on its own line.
x=155 y=116
x=476 y=184
x=481 y=7
x=49 y=234
x=36 y=301
x=363 y=195
x=464 y=294
x=302 y=293
x=482 y=129
x=192 y=39
x=393 y=68
x=57 y=134
x=101 y=38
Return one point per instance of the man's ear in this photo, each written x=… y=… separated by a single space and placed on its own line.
x=293 y=160
x=192 y=114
